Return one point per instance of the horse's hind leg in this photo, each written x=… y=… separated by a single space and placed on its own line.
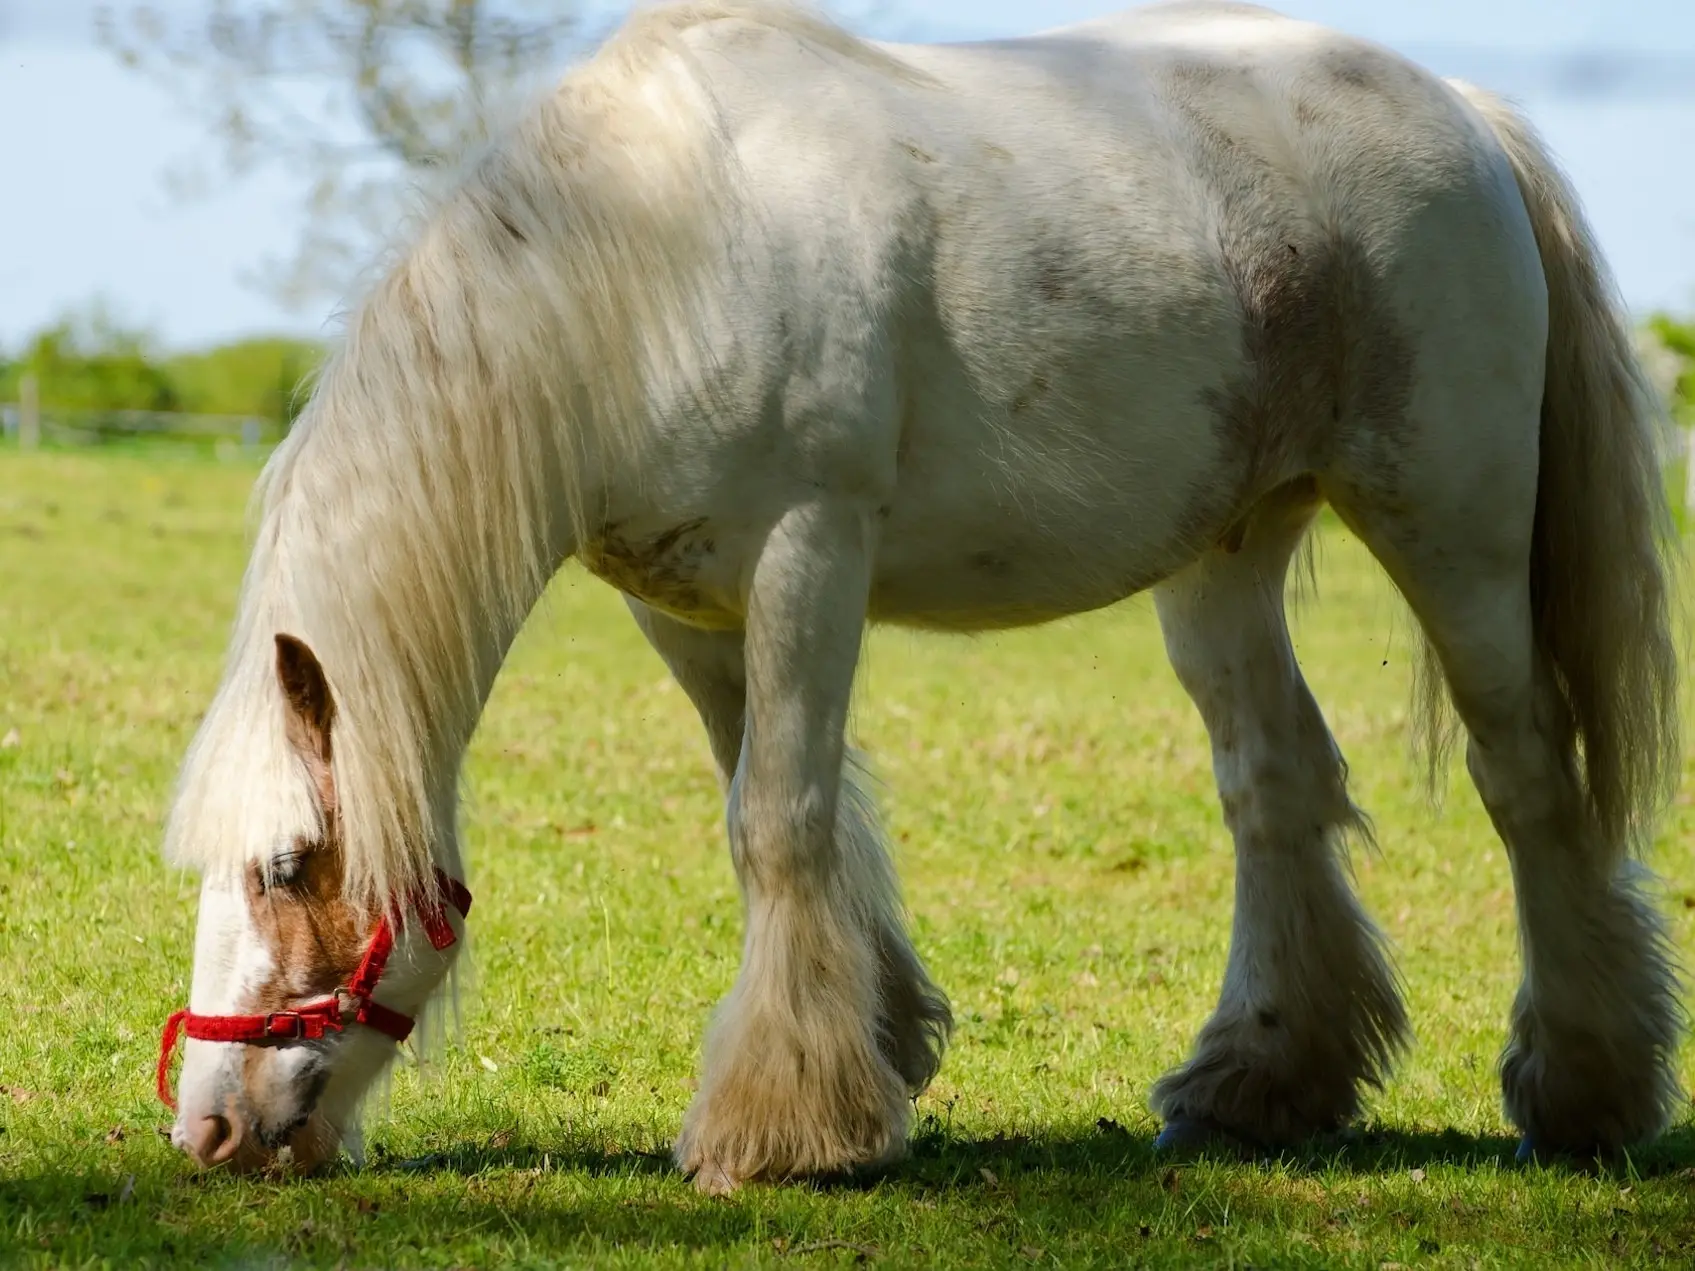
x=1309 y=1009
x=833 y=1024
x=1590 y=1061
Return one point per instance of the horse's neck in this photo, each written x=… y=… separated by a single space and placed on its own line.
x=413 y=615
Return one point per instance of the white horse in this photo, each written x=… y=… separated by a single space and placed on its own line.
x=781 y=333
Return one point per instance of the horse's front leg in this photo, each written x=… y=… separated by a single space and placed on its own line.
x=832 y=1024
x=1309 y=1012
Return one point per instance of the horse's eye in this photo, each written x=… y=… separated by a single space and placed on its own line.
x=282 y=870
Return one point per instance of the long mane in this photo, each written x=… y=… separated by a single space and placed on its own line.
x=446 y=462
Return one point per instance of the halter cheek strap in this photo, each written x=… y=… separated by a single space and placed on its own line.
x=352 y=1004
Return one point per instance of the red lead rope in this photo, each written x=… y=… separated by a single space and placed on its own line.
x=312 y=1020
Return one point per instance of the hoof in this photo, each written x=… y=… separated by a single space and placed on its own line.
x=1530 y=1152
x=1186 y=1135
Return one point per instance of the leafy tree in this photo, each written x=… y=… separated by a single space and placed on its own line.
x=91 y=362
x=263 y=377
x=359 y=98
x=1679 y=337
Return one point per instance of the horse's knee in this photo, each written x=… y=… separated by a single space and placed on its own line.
x=781 y=839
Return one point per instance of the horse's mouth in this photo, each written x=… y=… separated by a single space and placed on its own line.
x=253 y=1156
x=312 y=1142
x=275 y=1137
x=308 y=1138
x=302 y=1147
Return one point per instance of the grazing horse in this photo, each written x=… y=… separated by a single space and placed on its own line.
x=781 y=333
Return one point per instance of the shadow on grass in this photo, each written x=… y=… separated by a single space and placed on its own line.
x=1114 y=1151
x=939 y=1159
x=1092 y=1191
x=1107 y=1147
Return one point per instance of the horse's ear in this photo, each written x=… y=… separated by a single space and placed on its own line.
x=309 y=712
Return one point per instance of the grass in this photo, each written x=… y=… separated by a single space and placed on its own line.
x=1052 y=799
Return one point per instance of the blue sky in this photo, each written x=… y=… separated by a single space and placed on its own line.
x=84 y=212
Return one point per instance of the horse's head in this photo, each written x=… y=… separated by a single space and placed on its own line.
x=299 y=995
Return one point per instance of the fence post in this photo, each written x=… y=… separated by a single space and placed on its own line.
x=29 y=412
x=1689 y=471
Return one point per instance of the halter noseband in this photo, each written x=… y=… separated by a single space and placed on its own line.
x=311 y=1020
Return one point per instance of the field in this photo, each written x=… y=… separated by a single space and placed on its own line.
x=1052 y=799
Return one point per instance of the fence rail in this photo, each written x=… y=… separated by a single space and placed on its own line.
x=29 y=426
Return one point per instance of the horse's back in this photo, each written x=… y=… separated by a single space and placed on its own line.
x=1106 y=285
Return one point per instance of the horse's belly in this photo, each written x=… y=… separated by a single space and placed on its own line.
x=1009 y=585
x=1086 y=474
x=957 y=550
x=960 y=558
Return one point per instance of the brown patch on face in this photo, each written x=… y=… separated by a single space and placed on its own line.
x=315 y=937
x=316 y=941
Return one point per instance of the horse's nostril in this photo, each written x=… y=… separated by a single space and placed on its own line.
x=213 y=1140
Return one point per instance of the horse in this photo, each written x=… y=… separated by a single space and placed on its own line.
x=782 y=332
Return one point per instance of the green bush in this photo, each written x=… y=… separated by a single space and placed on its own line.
x=90 y=362
x=1679 y=337
x=265 y=377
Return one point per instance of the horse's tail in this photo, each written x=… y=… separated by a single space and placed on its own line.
x=1601 y=591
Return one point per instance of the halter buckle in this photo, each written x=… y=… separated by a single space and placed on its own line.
x=305 y=1025
x=284 y=1024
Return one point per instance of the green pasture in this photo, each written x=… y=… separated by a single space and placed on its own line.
x=1051 y=798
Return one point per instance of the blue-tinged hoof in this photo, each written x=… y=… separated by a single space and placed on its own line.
x=1593 y=1159
x=1197 y=1134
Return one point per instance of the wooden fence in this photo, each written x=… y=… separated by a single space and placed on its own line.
x=30 y=426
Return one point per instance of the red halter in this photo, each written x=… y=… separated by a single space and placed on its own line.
x=312 y=1020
